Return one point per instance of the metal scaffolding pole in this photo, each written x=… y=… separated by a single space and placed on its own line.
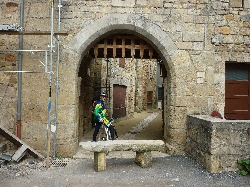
x=57 y=77
x=19 y=84
x=52 y=124
x=50 y=83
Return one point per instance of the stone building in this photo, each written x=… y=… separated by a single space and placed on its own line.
x=135 y=76
x=203 y=46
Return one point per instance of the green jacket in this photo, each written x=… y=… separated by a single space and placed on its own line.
x=99 y=110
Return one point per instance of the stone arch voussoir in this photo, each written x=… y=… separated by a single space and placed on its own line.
x=133 y=23
x=138 y=25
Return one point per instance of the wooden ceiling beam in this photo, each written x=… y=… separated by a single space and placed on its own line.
x=141 y=49
x=123 y=48
x=132 y=48
x=114 y=47
x=150 y=53
x=105 y=48
x=96 y=51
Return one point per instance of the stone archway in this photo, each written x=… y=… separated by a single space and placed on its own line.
x=173 y=59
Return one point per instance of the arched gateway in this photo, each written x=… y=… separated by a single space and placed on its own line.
x=174 y=60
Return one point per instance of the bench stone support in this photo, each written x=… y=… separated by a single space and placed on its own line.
x=144 y=159
x=99 y=161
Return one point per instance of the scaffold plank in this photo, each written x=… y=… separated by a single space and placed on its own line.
x=23 y=146
x=32 y=33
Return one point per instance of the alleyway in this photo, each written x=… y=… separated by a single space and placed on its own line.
x=146 y=125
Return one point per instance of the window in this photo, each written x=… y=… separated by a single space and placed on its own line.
x=236 y=74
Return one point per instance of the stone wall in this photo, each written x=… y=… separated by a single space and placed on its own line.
x=135 y=76
x=193 y=38
x=92 y=78
x=86 y=92
x=216 y=143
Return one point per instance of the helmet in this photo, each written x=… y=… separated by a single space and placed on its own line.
x=103 y=94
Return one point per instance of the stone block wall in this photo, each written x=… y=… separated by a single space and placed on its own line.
x=86 y=92
x=216 y=143
x=135 y=76
x=92 y=77
x=194 y=40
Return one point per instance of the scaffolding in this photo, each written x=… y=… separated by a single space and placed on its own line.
x=48 y=68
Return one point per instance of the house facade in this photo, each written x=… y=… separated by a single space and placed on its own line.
x=203 y=46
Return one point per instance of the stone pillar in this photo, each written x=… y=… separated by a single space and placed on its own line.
x=143 y=159
x=99 y=161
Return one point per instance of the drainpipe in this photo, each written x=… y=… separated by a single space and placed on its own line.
x=19 y=85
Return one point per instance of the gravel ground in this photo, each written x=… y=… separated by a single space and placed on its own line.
x=167 y=171
x=179 y=171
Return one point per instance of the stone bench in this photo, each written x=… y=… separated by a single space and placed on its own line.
x=142 y=148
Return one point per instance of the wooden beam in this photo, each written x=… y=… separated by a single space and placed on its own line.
x=132 y=48
x=114 y=47
x=141 y=49
x=150 y=53
x=123 y=47
x=105 y=48
x=96 y=51
x=16 y=141
x=32 y=33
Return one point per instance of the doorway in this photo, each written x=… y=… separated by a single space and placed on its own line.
x=119 y=97
x=237 y=91
x=149 y=99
